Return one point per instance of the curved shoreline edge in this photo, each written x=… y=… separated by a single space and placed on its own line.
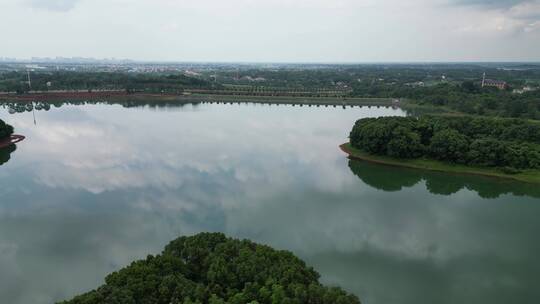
x=13 y=139
x=528 y=176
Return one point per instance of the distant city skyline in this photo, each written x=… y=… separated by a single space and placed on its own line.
x=90 y=60
x=78 y=59
x=267 y=31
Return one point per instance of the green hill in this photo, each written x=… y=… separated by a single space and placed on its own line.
x=211 y=268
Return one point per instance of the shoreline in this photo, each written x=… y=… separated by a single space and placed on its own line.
x=13 y=139
x=529 y=176
x=307 y=100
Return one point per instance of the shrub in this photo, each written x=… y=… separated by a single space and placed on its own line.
x=510 y=170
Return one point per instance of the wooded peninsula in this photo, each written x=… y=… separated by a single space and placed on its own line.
x=479 y=145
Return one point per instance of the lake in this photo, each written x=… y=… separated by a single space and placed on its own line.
x=96 y=186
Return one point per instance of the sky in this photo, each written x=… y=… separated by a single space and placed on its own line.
x=331 y=31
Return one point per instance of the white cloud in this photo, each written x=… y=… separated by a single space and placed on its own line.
x=519 y=18
x=490 y=3
x=526 y=10
x=273 y=30
x=54 y=5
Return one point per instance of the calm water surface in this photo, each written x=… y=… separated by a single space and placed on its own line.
x=94 y=187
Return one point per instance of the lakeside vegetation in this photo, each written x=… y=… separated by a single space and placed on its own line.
x=5 y=130
x=470 y=98
x=210 y=268
x=454 y=87
x=17 y=81
x=475 y=145
x=457 y=87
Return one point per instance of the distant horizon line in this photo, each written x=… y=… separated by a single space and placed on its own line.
x=78 y=59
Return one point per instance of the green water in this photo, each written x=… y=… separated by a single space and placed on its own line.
x=94 y=187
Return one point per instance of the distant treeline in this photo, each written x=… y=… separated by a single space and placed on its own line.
x=5 y=130
x=468 y=97
x=210 y=268
x=490 y=142
x=455 y=86
x=66 y=80
x=374 y=79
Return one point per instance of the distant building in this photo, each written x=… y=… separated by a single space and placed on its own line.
x=191 y=73
x=416 y=84
x=501 y=85
x=524 y=90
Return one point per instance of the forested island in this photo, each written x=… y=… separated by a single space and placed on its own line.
x=210 y=268
x=479 y=145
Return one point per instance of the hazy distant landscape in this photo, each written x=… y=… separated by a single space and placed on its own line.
x=457 y=87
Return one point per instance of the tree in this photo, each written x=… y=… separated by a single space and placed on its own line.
x=469 y=87
x=404 y=144
x=449 y=145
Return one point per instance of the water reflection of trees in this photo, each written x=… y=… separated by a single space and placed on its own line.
x=5 y=153
x=388 y=178
x=172 y=102
x=20 y=107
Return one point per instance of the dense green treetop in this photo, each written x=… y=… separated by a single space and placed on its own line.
x=211 y=268
x=5 y=130
x=491 y=142
x=67 y=80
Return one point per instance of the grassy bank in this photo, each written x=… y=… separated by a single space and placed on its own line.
x=528 y=176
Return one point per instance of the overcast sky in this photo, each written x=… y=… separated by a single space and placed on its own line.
x=273 y=30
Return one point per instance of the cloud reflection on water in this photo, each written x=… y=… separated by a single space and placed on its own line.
x=79 y=208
